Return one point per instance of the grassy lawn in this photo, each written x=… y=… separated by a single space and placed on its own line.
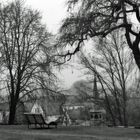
x=68 y=133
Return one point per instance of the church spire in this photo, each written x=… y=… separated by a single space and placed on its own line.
x=95 y=90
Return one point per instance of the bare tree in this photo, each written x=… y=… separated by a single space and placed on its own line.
x=90 y=18
x=21 y=39
x=113 y=69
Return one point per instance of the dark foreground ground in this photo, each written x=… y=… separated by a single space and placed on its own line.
x=21 y=132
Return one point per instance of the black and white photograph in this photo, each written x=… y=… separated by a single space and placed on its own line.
x=69 y=69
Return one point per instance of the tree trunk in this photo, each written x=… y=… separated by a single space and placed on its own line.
x=125 y=111
x=108 y=103
x=110 y=111
x=124 y=104
x=125 y=116
x=136 y=53
x=118 y=108
x=12 y=112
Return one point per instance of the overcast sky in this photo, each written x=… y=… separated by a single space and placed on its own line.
x=53 y=12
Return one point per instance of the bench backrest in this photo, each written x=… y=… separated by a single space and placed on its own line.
x=34 y=118
x=39 y=118
x=30 y=118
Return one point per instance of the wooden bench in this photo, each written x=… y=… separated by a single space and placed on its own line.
x=38 y=119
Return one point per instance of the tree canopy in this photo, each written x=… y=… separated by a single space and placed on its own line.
x=90 y=18
x=25 y=52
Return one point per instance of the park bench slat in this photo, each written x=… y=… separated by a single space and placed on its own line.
x=38 y=119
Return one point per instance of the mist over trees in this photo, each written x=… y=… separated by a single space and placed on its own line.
x=111 y=62
x=115 y=24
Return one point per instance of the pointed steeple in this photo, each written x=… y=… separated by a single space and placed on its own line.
x=95 y=90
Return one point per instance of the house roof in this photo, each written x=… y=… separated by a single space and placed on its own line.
x=28 y=105
x=97 y=111
x=52 y=106
x=49 y=107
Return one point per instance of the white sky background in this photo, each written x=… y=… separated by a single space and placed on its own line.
x=53 y=12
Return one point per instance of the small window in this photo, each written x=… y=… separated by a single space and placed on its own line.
x=100 y=116
x=96 y=116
